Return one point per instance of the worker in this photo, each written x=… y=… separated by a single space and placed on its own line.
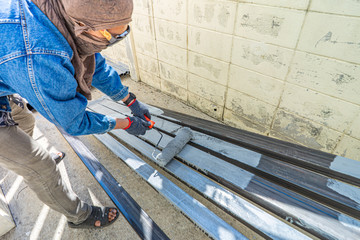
x=49 y=54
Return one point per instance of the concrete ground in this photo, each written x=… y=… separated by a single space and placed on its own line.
x=35 y=220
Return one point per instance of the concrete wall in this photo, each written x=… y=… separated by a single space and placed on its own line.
x=288 y=69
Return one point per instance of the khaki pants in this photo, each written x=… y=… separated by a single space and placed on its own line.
x=21 y=154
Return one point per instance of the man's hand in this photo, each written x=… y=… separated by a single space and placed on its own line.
x=139 y=110
x=137 y=126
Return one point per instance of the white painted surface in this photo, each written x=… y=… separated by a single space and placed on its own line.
x=171 y=32
x=145 y=45
x=209 y=68
x=175 y=10
x=345 y=189
x=149 y=64
x=349 y=222
x=169 y=87
x=355 y=129
x=213 y=15
x=259 y=35
x=331 y=35
x=173 y=74
x=349 y=146
x=6 y=220
x=150 y=79
x=243 y=155
x=235 y=119
x=246 y=106
x=209 y=163
x=347 y=166
x=346 y=7
x=329 y=111
x=259 y=86
x=211 y=91
x=210 y=108
x=173 y=55
x=329 y=76
x=298 y=4
x=143 y=24
x=143 y=7
x=269 y=24
x=264 y=58
x=210 y=43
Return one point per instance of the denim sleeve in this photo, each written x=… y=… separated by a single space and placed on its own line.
x=54 y=95
x=107 y=80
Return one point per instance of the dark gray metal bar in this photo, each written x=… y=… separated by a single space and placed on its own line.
x=210 y=223
x=301 y=211
x=308 y=183
x=314 y=160
x=255 y=218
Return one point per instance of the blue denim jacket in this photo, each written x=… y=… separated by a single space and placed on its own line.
x=35 y=62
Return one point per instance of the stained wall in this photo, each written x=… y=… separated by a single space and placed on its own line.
x=288 y=69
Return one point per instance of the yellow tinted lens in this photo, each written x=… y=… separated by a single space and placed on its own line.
x=106 y=34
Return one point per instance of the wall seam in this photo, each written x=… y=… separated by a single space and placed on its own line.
x=230 y=62
x=302 y=9
x=257 y=72
x=266 y=5
x=156 y=46
x=335 y=14
x=216 y=104
x=311 y=121
x=295 y=49
x=251 y=39
x=346 y=132
x=288 y=72
x=187 y=51
x=303 y=51
x=303 y=117
x=265 y=75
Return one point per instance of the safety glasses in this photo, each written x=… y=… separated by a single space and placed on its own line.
x=115 y=39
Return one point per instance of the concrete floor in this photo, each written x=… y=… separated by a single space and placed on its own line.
x=35 y=220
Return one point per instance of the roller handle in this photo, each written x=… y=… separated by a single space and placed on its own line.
x=149 y=120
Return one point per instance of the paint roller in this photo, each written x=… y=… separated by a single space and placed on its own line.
x=175 y=146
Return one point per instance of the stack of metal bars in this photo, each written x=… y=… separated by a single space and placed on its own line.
x=313 y=194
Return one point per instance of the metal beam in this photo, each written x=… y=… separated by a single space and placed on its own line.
x=144 y=226
x=213 y=225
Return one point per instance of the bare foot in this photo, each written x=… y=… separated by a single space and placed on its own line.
x=111 y=216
